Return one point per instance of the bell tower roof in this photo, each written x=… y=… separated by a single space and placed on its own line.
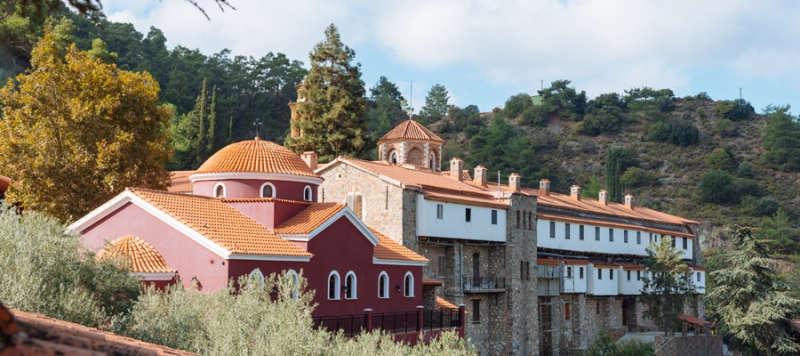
x=411 y=130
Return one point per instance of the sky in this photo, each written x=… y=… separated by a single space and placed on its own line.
x=485 y=51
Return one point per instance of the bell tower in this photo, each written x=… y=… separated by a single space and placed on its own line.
x=411 y=143
x=295 y=118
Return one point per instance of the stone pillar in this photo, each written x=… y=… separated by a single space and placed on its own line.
x=420 y=316
x=368 y=321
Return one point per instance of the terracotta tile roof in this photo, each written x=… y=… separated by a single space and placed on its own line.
x=631 y=266
x=256 y=156
x=36 y=334
x=607 y=223
x=309 y=219
x=564 y=201
x=693 y=319
x=265 y=200
x=143 y=257
x=179 y=181
x=605 y=265
x=575 y=262
x=220 y=223
x=696 y=267
x=4 y=183
x=461 y=198
x=442 y=303
x=546 y=261
x=411 y=130
x=387 y=249
x=431 y=282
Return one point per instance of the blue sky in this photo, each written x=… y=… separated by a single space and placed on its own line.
x=486 y=51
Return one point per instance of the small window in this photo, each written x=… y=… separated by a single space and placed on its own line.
x=599 y=273
x=597 y=233
x=527 y=270
x=638 y=275
x=611 y=274
x=569 y=272
x=629 y=275
x=522 y=270
x=684 y=243
x=476 y=311
x=307 y=194
x=580 y=232
x=698 y=277
x=611 y=235
x=267 y=190
x=333 y=286
x=566 y=231
x=524 y=221
x=442 y=262
x=350 y=286
x=580 y=271
x=530 y=221
x=625 y=236
x=409 y=285
x=383 y=285
x=672 y=238
x=651 y=237
x=566 y=311
x=393 y=157
x=494 y=217
x=468 y=216
x=517 y=219
x=553 y=229
x=638 y=237
x=219 y=191
x=439 y=211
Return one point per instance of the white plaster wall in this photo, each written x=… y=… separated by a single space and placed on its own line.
x=576 y=284
x=454 y=225
x=605 y=286
x=700 y=287
x=632 y=286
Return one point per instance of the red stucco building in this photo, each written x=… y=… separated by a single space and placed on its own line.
x=251 y=208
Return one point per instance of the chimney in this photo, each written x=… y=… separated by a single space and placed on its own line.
x=575 y=192
x=514 y=182
x=456 y=166
x=310 y=157
x=480 y=176
x=603 y=198
x=629 y=201
x=544 y=187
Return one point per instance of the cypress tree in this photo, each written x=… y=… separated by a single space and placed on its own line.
x=200 y=108
x=229 y=139
x=613 y=184
x=212 y=122
x=332 y=120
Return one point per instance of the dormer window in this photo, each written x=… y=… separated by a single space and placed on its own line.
x=268 y=190
x=307 y=193
x=219 y=190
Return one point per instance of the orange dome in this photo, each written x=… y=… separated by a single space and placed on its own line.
x=256 y=156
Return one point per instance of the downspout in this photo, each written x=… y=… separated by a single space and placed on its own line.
x=461 y=269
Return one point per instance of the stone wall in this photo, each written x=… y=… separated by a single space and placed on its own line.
x=522 y=334
x=692 y=345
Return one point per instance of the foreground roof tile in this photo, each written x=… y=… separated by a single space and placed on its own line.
x=309 y=219
x=256 y=156
x=387 y=249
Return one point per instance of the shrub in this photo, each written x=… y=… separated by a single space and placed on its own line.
x=746 y=170
x=516 y=104
x=767 y=206
x=537 y=115
x=725 y=128
x=733 y=110
x=749 y=187
x=721 y=159
x=684 y=134
x=604 y=120
x=45 y=270
x=717 y=187
x=605 y=345
x=637 y=177
x=659 y=132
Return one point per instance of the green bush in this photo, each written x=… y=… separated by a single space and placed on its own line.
x=659 y=132
x=684 y=134
x=637 y=177
x=725 y=128
x=733 y=110
x=746 y=170
x=45 y=270
x=605 y=120
x=721 y=159
x=717 y=187
x=750 y=187
x=516 y=104
x=605 y=345
x=767 y=206
x=537 y=116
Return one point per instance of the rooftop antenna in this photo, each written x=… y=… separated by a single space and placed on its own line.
x=257 y=124
x=740 y=93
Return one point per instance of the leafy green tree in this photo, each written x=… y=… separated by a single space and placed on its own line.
x=508 y=150
x=746 y=170
x=618 y=159
x=333 y=119
x=100 y=51
x=646 y=98
x=780 y=229
x=436 y=105
x=749 y=303
x=667 y=284
x=637 y=177
x=717 y=187
x=76 y=132
x=48 y=271
x=516 y=104
x=733 y=110
x=659 y=132
x=591 y=190
x=560 y=96
x=722 y=159
x=599 y=121
x=781 y=140
x=684 y=134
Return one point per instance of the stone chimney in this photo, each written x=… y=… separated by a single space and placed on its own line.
x=514 y=182
x=603 y=198
x=629 y=201
x=575 y=192
x=311 y=159
x=479 y=178
x=456 y=166
x=544 y=187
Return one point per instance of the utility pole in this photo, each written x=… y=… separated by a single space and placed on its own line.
x=542 y=84
x=740 y=93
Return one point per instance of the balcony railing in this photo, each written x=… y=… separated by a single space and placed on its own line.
x=484 y=284
x=394 y=323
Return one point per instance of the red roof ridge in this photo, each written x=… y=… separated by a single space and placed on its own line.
x=411 y=130
x=265 y=200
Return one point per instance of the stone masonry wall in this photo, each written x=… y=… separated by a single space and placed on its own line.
x=522 y=334
x=692 y=345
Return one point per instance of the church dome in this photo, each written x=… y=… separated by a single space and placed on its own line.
x=411 y=130
x=256 y=156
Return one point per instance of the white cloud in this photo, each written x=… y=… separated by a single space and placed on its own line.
x=600 y=44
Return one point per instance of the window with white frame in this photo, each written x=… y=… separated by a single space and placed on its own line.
x=295 y=282
x=439 y=211
x=408 y=283
x=267 y=190
x=350 y=285
x=333 y=286
x=258 y=275
x=383 y=285
x=219 y=190
x=307 y=194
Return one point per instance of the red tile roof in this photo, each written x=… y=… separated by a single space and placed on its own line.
x=143 y=257
x=179 y=181
x=693 y=319
x=309 y=219
x=441 y=303
x=257 y=156
x=387 y=249
x=411 y=130
x=607 y=223
x=36 y=334
x=220 y=223
x=431 y=282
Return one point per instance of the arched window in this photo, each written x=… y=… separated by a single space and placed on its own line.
x=258 y=275
x=408 y=282
x=393 y=157
x=383 y=285
x=307 y=193
x=219 y=190
x=432 y=165
x=333 y=286
x=267 y=190
x=296 y=280
x=350 y=285
x=530 y=220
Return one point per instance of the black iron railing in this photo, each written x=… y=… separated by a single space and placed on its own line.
x=484 y=283
x=395 y=323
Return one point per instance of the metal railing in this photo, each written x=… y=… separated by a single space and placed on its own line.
x=484 y=283
x=394 y=323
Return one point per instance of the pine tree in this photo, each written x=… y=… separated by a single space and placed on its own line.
x=749 y=303
x=200 y=115
x=613 y=183
x=781 y=139
x=229 y=139
x=667 y=284
x=332 y=119
x=212 y=122
x=436 y=104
